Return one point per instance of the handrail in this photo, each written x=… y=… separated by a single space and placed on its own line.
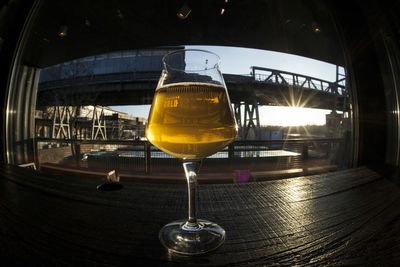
x=236 y=146
x=236 y=142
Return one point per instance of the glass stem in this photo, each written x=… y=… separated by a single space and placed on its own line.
x=191 y=168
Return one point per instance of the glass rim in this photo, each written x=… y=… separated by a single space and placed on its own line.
x=215 y=66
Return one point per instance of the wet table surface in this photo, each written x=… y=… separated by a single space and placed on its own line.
x=349 y=217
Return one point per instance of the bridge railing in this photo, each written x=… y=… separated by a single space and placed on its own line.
x=259 y=74
x=279 y=77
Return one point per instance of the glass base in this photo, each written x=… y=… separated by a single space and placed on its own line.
x=191 y=239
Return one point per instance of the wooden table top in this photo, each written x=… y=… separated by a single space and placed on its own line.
x=339 y=218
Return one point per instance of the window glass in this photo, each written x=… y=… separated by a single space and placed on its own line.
x=294 y=116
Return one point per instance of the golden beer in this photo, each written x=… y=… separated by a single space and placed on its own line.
x=191 y=120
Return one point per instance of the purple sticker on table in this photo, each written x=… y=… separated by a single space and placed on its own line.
x=242 y=176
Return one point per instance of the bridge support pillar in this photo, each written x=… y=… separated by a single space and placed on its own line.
x=238 y=115
x=98 y=124
x=61 y=122
x=250 y=122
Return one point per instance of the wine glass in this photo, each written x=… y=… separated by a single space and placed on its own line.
x=191 y=118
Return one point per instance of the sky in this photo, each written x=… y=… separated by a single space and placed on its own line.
x=236 y=60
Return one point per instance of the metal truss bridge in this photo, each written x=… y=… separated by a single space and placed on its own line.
x=247 y=92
